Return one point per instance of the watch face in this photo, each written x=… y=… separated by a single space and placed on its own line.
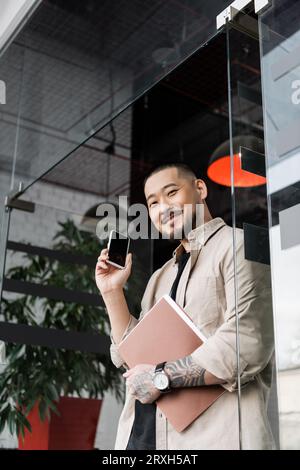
x=161 y=381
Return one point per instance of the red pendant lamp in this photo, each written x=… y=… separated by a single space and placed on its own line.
x=219 y=169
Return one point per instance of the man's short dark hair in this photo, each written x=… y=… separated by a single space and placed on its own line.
x=182 y=168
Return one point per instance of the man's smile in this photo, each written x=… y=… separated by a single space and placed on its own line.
x=169 y=218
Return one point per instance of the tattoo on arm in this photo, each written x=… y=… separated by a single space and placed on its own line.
x=185 y=373
x=140 y=386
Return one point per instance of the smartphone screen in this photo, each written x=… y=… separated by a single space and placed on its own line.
x=118 y=249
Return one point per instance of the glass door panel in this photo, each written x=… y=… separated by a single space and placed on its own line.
x=255 y=335
x=280 y=60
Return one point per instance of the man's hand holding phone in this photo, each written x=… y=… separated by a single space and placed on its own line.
x=109 y=277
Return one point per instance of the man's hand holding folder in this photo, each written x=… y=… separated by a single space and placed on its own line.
x=166 y=333
x=140 y=385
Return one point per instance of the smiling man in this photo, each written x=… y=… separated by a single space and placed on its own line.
x=200 y=277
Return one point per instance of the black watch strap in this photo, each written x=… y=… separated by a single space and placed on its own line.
x=160 y=367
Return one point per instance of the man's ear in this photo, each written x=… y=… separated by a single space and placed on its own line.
x=201 y=188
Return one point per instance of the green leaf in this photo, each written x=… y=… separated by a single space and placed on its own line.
x=21 y=432
x=52 y=406
x=3 y=417
x=53 y=392
x=30 y=405
x=21 y=419
x=42 y=410
x=11 y=422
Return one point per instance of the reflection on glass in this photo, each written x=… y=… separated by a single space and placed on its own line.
x=280 y=40
x=258 y=401
x=76 y=65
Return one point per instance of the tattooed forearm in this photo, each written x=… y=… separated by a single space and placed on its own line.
x=185 y=373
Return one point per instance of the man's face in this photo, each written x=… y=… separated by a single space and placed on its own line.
x=171 y=199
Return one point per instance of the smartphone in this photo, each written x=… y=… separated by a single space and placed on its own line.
x=118 y=246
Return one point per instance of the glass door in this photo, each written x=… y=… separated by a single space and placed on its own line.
x=183 y=118
x=280 y=61
x=256 y=364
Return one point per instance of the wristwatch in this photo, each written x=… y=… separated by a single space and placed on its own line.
x=161 y=380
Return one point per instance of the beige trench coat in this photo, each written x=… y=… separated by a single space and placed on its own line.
x=206 y=292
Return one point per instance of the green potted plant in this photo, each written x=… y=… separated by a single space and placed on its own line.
x=38 y=381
